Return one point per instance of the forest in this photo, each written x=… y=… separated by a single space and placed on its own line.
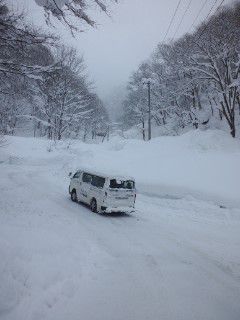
x=195 y=80
x=44 y=86
x=45 y=90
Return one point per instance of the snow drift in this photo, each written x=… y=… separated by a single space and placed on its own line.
x=201 y=164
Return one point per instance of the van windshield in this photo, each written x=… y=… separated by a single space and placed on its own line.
x=121 y=184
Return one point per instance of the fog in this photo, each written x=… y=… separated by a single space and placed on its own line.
x=124 y=39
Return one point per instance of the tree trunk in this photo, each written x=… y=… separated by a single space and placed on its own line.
x=233 y=131
x=49 y=131
x=233 y=126
x=85 y=133
x=143 y=130
x=230 y=118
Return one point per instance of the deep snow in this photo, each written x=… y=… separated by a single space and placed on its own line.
x=177 y=257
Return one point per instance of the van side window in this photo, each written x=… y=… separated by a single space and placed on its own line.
x=98 y=181
x=77 y=174
x=86 y=177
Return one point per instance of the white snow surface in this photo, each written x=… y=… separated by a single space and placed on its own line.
x=176 y=257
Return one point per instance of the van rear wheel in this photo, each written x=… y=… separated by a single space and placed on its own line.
x=74 y=196
x=93 y=205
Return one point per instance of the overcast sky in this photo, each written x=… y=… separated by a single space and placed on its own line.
x=120 y=43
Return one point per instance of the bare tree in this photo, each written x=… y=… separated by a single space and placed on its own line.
x=196 y=78
x=65 y=10
x=16 y=40
x=66 y=96
x=40 y=84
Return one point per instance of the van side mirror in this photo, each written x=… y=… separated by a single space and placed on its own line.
x=70 y=174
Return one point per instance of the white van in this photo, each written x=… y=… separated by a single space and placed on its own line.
x=102 y=192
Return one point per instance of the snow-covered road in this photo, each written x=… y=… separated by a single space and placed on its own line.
x=172 y=259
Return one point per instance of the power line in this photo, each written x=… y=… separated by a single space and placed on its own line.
x=198 y=14
x=209 y=15
x=184 y=14
x=170 y=24
x=210 y=11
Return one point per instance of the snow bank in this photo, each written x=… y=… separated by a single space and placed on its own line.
x=166 y=261
x=201 y=164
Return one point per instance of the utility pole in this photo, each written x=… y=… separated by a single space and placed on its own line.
x=149 y=111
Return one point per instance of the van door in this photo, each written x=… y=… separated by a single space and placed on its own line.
x=75 y=182
x=122 y=193
x=85 y=187
x=97 y=189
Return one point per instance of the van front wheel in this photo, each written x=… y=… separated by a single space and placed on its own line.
x=93 y=205
x=74 y=196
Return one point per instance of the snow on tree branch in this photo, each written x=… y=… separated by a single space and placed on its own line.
x=64 y=9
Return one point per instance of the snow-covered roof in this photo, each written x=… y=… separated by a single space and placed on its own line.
x=106 y=174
